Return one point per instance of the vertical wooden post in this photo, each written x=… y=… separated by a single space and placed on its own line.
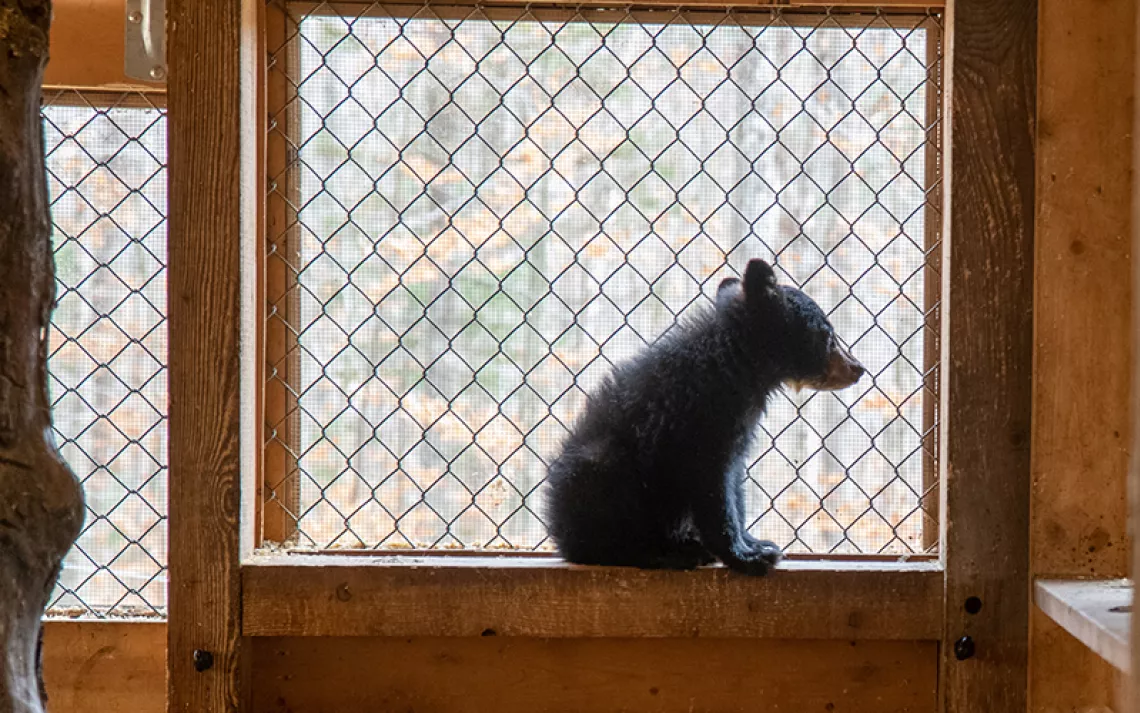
x=205 y=654
x=41 y=504
x=1132 y=689
x=988 y=337
x=279 y=498
x=932 y=285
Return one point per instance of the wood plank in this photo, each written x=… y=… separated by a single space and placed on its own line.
x=362 y=675
x=1098 y=613
x=988 y=342
x=1130 y=699
x=279 y=494
x=475 y=555
x=204 y=274
x=99 y=666
x=856 y=15
x=87 y=49
x=1082 y=295
x=357 y=7
x=456 y=596
x=932 y=285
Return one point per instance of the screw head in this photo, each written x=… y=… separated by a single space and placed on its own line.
x=135 y=17
x=158 y=73
x=964 y=648
x=203 y=660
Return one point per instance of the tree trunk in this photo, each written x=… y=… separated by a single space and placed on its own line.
x=41 y=503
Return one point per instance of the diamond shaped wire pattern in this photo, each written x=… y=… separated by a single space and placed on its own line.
x=474 y=213
x=106 y=170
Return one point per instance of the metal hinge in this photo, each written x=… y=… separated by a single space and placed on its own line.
x=145 y=55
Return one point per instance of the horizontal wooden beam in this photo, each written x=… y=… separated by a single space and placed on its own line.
x=899 y=13
x=355 y=7
x=365 y=675
x=329 y=595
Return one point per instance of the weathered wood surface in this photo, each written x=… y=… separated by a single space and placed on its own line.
x=327 y=595
x=1130 y=702
x=204 y=95
x=101 y=666
x=1082 y=329
x=512 y=675
x=988 y=340
x=41 y=503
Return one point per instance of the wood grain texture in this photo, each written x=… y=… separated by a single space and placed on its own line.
x=355 y=7
x=204 y=98
x=94 y=667
x=1082 y=319
x=362 y=675
x=932 y=286
x=855 y=15
x=279 y=497
x=1130 y=698
x=987 y=336
x=450 y=596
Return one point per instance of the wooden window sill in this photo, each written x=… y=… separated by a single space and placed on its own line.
x=535 y=596
x=1097 y=612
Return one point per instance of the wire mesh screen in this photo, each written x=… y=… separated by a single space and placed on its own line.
x=106 y=167
x=474 y=213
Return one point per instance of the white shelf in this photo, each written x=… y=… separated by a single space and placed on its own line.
x=1097 y=612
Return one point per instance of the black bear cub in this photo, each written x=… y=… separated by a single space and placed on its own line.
x=652 y=474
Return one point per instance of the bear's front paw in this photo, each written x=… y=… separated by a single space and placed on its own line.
x=754 y=557
x=764 y=549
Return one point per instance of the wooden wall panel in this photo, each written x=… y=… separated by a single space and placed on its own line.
x=509 y=675
x=1083 y=324
x=96 y=667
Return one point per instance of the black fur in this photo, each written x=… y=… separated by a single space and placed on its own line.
x=652 y=474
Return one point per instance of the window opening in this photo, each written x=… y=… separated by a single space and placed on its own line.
x=473 y=212
x=106 y=172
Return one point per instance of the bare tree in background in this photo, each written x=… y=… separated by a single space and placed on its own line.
x=41 y=503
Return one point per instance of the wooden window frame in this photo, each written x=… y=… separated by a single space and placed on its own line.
x=222 y=592
x=277 y=471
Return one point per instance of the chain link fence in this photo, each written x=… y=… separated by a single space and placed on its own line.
x=106 y=168
x=474 y=212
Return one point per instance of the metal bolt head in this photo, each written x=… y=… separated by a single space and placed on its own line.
x=135 y=17
x=158 y=74
x=203 y=660
x=964 y=648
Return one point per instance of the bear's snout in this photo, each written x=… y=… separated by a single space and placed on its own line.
x=843 y=370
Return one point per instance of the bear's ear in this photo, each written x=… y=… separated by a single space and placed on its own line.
x=759 y=278
x=729 y=291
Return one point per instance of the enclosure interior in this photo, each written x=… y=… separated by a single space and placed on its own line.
x=470 y=214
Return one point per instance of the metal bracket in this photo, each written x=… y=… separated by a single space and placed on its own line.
x=145 y=40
